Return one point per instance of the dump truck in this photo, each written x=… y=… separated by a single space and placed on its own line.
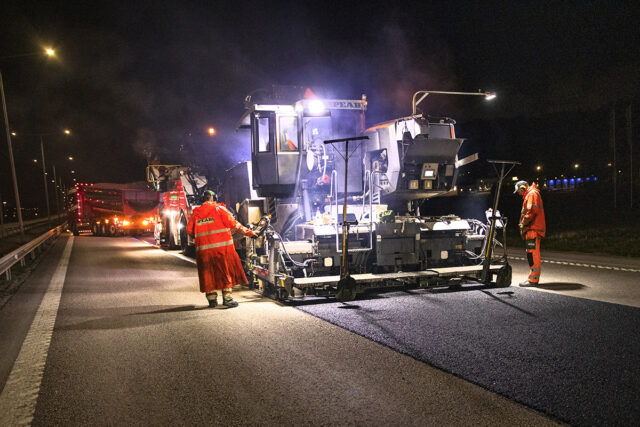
x=110 y=209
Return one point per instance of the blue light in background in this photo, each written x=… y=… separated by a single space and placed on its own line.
x=595 y=178
x=551 y=182
x=579 y=180
x=572 y=181
x=588 y=178
x=565 y=181
x=558 y=181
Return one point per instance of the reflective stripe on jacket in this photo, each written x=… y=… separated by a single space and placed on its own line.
x=532 y=214
x=212 y=225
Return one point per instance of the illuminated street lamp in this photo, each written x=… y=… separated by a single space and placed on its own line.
x=576 y=166
x=67 y=132
x=70 y=157
x=488 y=96
x=212 y=131
x=538 y=168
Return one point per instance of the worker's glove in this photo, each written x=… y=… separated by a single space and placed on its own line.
x=522 y=232
x=252 y=234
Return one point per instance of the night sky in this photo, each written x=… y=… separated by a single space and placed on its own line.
x=139 y=79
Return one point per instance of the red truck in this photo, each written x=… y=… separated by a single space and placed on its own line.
x=106 y=209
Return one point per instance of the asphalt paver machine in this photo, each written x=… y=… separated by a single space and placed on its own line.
x=305 y=194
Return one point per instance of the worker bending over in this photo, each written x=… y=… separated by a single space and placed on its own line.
x=532 y=228
x=219 y=266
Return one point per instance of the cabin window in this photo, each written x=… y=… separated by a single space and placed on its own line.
x=287 y=134
x=264 y=140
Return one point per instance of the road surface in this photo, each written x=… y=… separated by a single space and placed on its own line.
x=114 y=331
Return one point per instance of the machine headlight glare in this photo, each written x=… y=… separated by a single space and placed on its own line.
x=316 y=107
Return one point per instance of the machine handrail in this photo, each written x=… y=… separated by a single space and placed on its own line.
x=335 y=223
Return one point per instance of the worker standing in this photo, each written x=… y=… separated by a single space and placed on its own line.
x=532 y=228
x=219 y=266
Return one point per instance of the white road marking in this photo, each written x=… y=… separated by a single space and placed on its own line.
x=20 y=393
x=182 y=257
x=576 y=264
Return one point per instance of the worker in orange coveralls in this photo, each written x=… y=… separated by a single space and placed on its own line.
x=532 y=228
x=219 y=266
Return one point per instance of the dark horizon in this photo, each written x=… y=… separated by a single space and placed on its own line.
x=136 y=80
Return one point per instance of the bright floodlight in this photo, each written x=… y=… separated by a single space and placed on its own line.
x=212 y=131
x=49 y=51
x=70 y=157
x=316 y=107
x=67 y=132
x=489 y=96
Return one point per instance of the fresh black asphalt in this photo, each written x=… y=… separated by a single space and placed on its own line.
x=574 y=359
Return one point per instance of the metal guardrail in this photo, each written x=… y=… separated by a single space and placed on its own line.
x=18 y=256
x=13 y=227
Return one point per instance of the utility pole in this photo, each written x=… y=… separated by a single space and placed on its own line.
x=630 y=142
x=1 y=217
x=55 y=189
x=612 y=141
x=44 y=177
x=13 y=166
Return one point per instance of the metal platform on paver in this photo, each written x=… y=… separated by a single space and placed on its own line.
x=371 y=278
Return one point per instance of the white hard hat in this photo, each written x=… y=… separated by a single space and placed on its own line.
x=519 y=185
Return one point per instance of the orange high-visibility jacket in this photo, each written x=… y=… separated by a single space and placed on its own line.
x=532 y=214
x=219 y=266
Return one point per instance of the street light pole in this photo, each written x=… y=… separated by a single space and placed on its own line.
x=44 y=177
x=487 y=95
x=13 y=166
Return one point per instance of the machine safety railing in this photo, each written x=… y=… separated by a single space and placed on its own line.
x=19 y=255
x=334 y=187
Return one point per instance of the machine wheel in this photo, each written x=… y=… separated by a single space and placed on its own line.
x=95 y=230
x=103 y=229
x=112 y=230
x=74 y=230
x=346 y=289
x=503 y=279
x=282 y=294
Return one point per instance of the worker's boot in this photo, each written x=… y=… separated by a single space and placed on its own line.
x=526 y=284
x=227 y=300
x=213 y=299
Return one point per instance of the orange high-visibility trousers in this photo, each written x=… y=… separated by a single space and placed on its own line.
x=532 y=245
